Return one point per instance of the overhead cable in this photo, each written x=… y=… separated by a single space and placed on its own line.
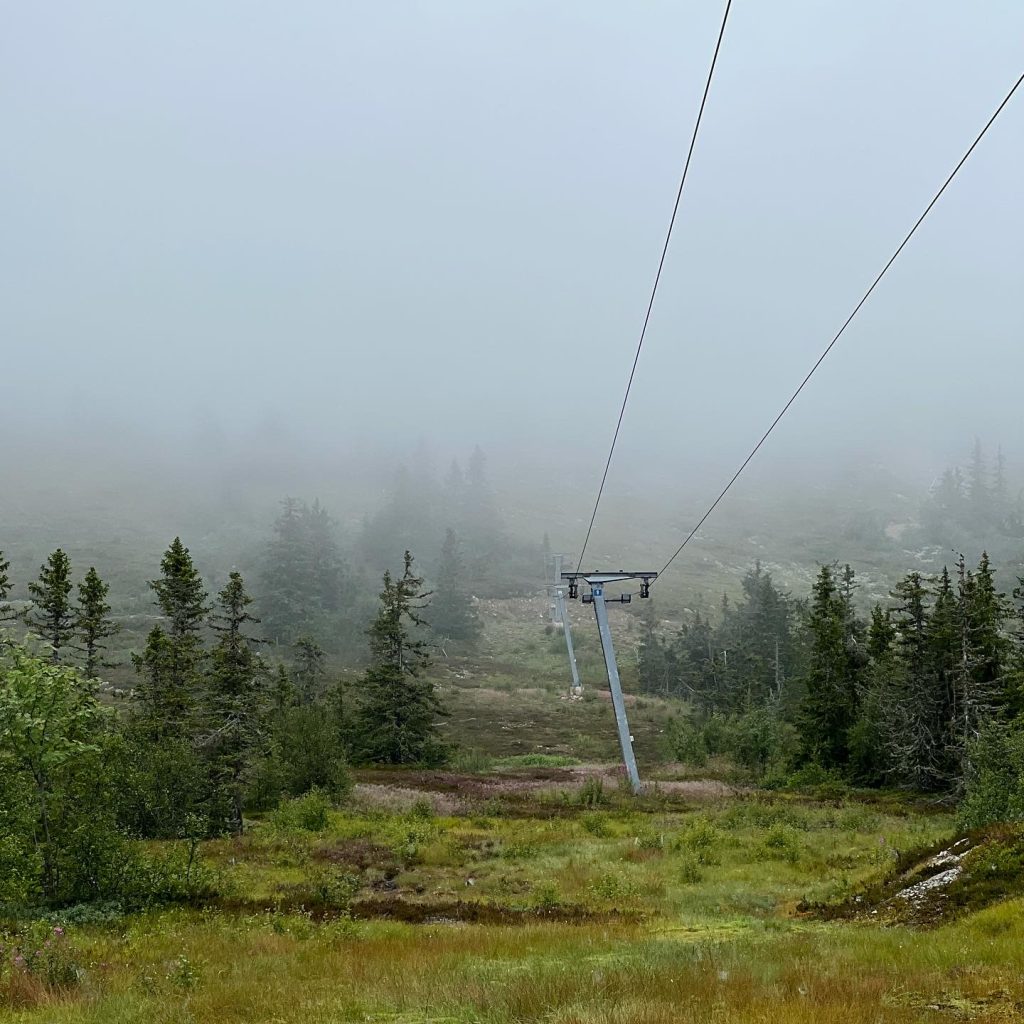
x=892 y=259
x=657 y=279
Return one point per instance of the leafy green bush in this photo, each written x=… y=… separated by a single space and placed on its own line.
x=421 y=810
x=308 y=813
x=859 y=819
x=59 y=837
x=335 y=889
x=763 y=814
x=760 y=739
x=591 y=793
x=164 y=786
x=519 y=851
x=819 y=781
x=99 y=912
x=689 y=871
x=614 y=888
x=176 y=874
x=307 y=754
x=757 y=740
x=649 y=839
x=596 y=824
x=546 y=896
x=686 y=742
x=993 y=870
x=701 y=839
x=781 y=842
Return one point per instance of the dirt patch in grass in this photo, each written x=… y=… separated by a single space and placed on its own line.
x=409 y=911
x=397 y=908
x=699 y=790
x=468 y=785
x=360 y=854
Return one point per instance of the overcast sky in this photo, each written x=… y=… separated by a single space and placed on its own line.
x=358 y=223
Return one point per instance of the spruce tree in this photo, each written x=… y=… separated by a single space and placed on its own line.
x=656 y=660
x=829 y=709
x=942 y=637
x=52 y=614
x=694 y=660
x=948 y=500
x=452 y=614
x=170 y=793
x=977 y=483
x=990 y=612
x=170 y=663
x=914 y=722
x=93 y=623
x=235 y=699
x=397 y=718
x=303 y=576
x=326 y=569
x=1000 y=492
x=286 y=571
x=881 y=632
x=880 y=701
x=984 y=677
x=309 y=672
x=1017 y=689
x=910 y=619
x=180 y=592
x=282 y=691
x=481 y=526
x=165 y=704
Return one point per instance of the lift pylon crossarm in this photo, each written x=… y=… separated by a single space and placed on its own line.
x=601 y=578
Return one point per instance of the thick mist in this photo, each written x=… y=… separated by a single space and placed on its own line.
x=251 y=251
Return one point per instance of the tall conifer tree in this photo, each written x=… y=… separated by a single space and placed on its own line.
x=170 y=663
x=236 y=698
x=397 y=721
x=309 y=673
x=452 y=614
x=52 y=614
x=830 y=706
x=93 y=623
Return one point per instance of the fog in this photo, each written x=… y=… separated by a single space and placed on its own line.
x=278 y=246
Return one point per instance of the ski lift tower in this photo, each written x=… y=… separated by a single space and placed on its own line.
x=597 y=581
x=560 y=619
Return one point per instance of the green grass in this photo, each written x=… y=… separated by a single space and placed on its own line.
x=649 y=911
x=529 y=719
x=536 y=761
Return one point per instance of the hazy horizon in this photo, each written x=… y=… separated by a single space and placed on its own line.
x=276 y=246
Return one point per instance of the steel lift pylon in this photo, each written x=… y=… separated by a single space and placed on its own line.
x=560 y=618
x=597 y=581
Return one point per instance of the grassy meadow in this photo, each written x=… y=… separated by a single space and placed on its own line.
x=536 y=890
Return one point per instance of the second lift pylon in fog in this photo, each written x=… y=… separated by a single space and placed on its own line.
x=597 y=581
